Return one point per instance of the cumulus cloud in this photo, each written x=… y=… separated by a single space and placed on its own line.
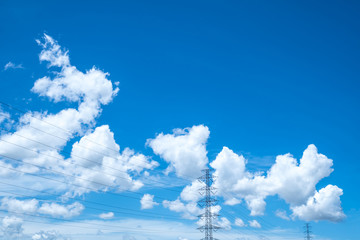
x=65 y=211
x=229 y=168
x=41 y=137
x=19 y=206
x=147 y=201
x=189 y=210
x=48 y=235
x=108 y=215
x=232 y=201
x=12 y=227
x=90 y=90
x=11 y=65
x=324 y=205
x=100 y=167
x=223 y=223
x=184 y=150
x=293 y=181
x=254 y=224
x=191 y=192
x=239 y=222
x=33 y=206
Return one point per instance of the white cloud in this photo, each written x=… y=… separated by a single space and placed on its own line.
x=184 y=150
x=292 y=181
x=53 y=53
x=282 y=214
x=109 y=169
x=32 y=206
x=103 y=163
x=224 y=223
x=147 y=201
x=239 y=222
x=324 y=205
x=191 y=192
x=189 y=210
x=88 y=154
x=12 y=227
x=296 y=182
x=11 y=65
x=90 y=90
x=232 y=201
x=229 y=168
x=256 y=204
x=6 y=170
x=65 y=211
x=254 y=224
x=92 y=87
x=4 y=116
x=108 y=215
x=48 y=235
x=19 y=206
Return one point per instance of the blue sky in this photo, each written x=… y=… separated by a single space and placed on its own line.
x=263 y=78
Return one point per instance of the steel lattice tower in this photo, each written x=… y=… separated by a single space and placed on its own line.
x=307 y=231
x=206 y=203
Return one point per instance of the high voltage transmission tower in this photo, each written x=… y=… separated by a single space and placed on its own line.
x=307 y=231
x=206 y=203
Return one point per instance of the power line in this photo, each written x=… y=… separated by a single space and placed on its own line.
x=56 y=180
x=72 y=163
x=64 y=173
x=98 y=209
x=53 y=125
x=17 y=170
x=81 y=146
x=53 y=179
x=79 y=199
x=53 y=171
x=70 y=221
x=66 y=131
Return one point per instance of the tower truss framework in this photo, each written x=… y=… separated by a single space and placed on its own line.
x=207 y=203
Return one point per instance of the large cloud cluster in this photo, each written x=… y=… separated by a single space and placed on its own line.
x=294 y=182
x=95 y=161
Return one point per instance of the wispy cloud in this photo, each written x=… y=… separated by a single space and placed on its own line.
x=108 y=215
x=11 y=65
x=282 y=214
